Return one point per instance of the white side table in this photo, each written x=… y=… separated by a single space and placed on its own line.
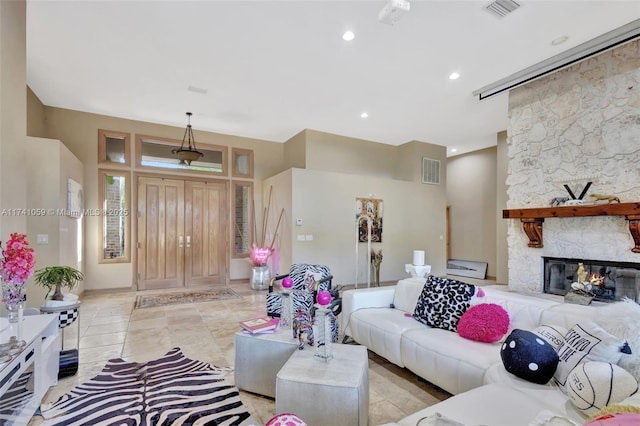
x=417 y=271
x=259 y=357
x=67 y=314
x=326 y=393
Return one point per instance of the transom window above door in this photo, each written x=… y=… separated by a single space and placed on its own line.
x=156 y=152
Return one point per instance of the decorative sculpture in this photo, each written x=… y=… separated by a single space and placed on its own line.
x=558 y=201
x=601 y=197
x=376 y=260
x=303 y=328
x=581 y=273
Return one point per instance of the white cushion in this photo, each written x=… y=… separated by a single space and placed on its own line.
x=380 y=329
x=447 y=360
x=586 y=341
x=363 y=298
x=622 y=319
x=492 y=405
x=501 y=405
x=525 y=311
x=407 y=293
x=553 y=334
x=569 y=314
x=498 y=374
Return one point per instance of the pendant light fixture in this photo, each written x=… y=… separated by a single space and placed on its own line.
x=190 y=153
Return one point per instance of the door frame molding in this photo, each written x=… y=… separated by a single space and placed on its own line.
x=134 y=222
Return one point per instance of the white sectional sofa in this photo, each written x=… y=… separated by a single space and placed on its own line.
x=380 y=319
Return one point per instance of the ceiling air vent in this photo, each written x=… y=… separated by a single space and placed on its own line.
x=501 y=8
x=430 y=171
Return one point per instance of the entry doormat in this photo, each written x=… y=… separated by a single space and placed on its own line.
x=170 y=391
x=191 y=296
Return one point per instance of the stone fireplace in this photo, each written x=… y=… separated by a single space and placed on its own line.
x=617 y=279
x=578 y=125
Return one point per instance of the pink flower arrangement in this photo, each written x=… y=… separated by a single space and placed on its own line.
x=16 y=268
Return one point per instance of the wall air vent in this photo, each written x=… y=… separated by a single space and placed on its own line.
x=501 y=8
x=430 y=171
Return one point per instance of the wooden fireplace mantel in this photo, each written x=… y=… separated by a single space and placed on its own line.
x=533 y=218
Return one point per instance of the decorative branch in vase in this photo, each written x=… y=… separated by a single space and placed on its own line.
x=260 y=253
x=376 y=261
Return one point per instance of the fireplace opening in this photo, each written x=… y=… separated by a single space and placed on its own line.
x=613 y=280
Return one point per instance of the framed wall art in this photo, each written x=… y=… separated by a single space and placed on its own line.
x=74 y=198
x=372 y=208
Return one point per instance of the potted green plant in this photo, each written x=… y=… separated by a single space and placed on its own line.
x=57 y=277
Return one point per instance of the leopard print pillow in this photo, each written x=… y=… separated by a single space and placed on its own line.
x=442 y=302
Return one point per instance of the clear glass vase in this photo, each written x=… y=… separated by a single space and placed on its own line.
x=260 y=277
x=13 y=296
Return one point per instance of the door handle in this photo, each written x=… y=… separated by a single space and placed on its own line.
x=188 y=241
x=181 y=241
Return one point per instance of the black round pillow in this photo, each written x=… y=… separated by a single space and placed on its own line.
x=528 y=356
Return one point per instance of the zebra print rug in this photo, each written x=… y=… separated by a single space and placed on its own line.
x=172 y=390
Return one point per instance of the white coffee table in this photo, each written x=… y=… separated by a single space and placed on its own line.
x=326 y=393
x=259 y=357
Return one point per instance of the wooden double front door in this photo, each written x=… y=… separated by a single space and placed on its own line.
x=182 y=238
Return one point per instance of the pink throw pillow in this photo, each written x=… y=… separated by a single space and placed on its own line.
x=486 y=322
x=286 y=419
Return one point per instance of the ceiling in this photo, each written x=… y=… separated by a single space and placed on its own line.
x=273 y=68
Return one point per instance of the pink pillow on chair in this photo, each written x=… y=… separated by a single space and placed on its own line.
x=486 y=322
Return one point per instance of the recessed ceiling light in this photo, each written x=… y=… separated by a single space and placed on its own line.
x=348 y=36
x=364 y=115
x=454 y=76
x=454 y=150
x=559 y=40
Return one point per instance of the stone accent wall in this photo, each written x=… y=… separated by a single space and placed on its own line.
x=579 y=124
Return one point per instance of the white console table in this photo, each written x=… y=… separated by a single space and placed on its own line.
x=40 y=356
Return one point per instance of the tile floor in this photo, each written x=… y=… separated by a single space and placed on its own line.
x=111 y=328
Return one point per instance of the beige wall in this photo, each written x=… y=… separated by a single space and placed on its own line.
x=502 y=250
x=295 y=151
x=335 y=153
x=414 y=219
x=13 y=115
x=409 y=161
x=79 y=132
x=35 y=115
x=13 y=122
x=280 y=187
x=51 y=165
x=331 y=153
x=471 y=195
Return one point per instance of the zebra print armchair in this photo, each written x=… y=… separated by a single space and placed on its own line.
x=308 y=280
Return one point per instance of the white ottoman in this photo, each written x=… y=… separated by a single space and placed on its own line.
x=259 y=357
x=326 y=393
